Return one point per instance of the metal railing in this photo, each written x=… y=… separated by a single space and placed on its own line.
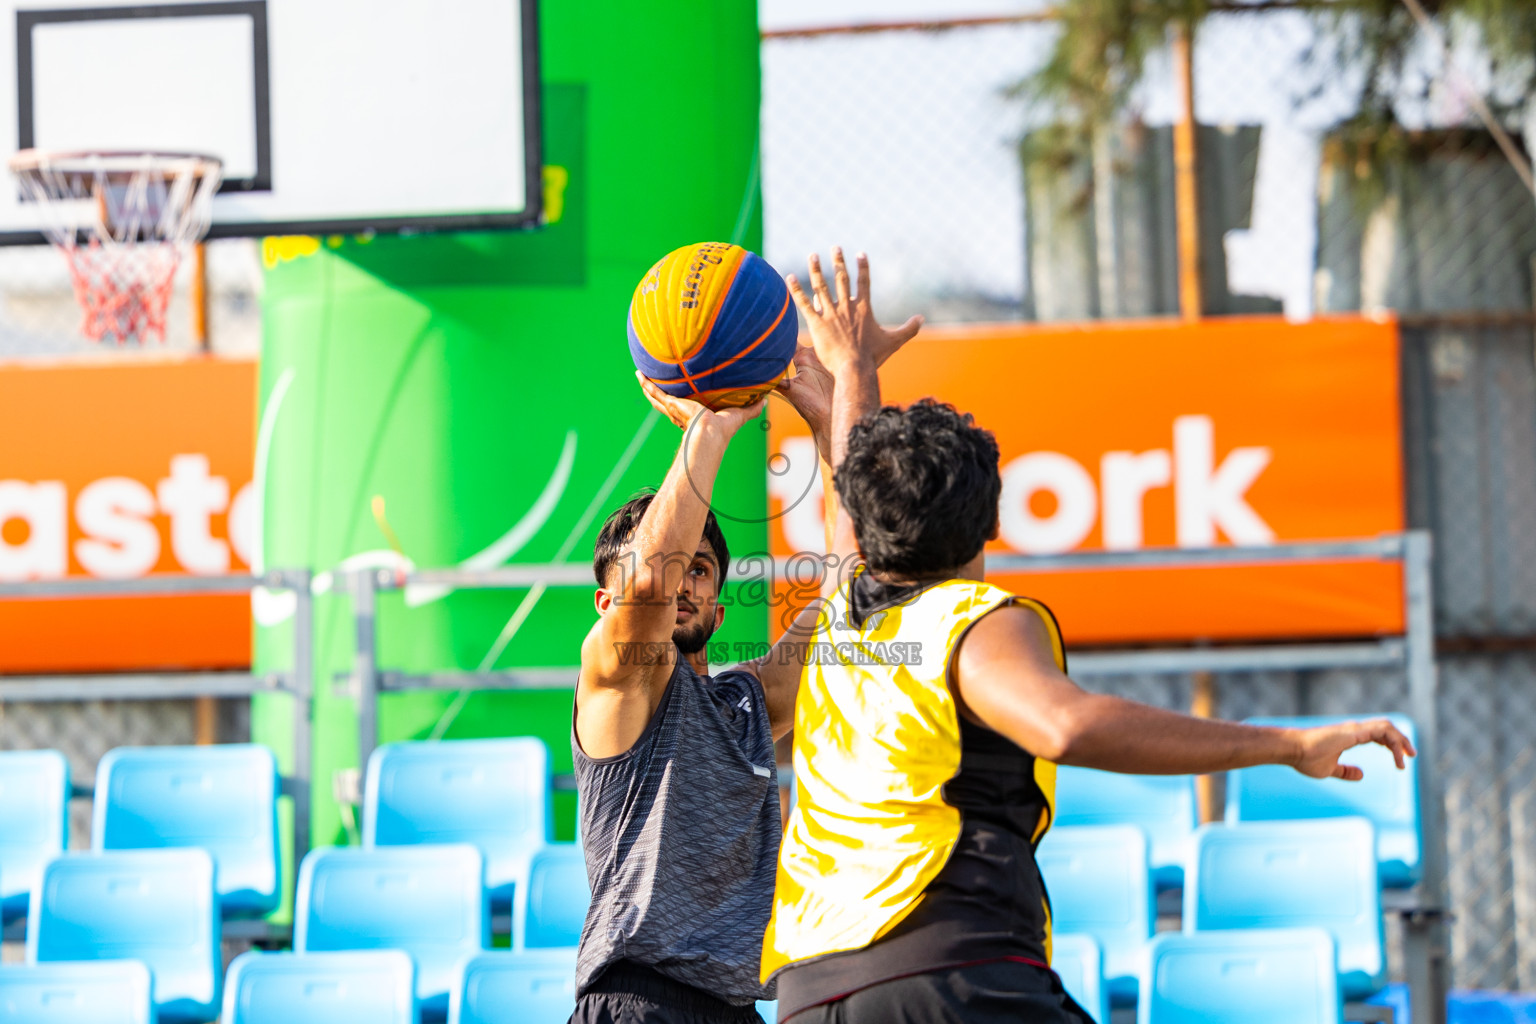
x=1413 y=651
x=295 y=681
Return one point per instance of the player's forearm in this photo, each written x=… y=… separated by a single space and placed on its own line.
x=668 y=536
x=1124 y=736
x=856 y=394
x=829 y=502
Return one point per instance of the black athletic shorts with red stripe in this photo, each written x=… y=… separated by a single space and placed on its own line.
x=1000 y=992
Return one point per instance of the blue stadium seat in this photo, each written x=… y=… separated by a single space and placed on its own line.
x=1464 y=1006
x=376 y=987
x=103 y=992
x=492 y=793
x=1257 y=977
x=1390 y=798
x=220 y=798
x=158 y=906
x=552 y=906
x=34 y=822
x=1163 y=805
x=1099 y=885
x=1297 y=874
x=533 y=987
x=1079 y=964
x=427 y=900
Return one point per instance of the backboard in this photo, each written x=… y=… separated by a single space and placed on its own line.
x=330 y=116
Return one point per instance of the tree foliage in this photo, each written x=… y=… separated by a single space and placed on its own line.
x=1100 y=55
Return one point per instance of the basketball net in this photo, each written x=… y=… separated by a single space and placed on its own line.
x=123 y=222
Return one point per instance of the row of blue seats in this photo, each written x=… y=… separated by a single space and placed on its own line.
x=429 y=901
x=1256 y=976
x=492 y=793
x=496 y=794
x=1164 y=806
x=370 y=987
x=1268 y=977
x=1307 y=874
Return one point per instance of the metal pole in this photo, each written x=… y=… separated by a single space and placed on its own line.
x=1106 y=225
x=1203 y=705
x=205 y=710
x=365 y=669
x=303 y=675
x=1424 y=947
x=1185 y=174
x=198 y=297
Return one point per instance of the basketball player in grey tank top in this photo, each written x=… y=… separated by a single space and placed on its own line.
x=679 y=798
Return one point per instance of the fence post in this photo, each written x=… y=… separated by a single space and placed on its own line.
x=1186 y=189
x=365 y=670
x=1424 y=947
x=303 y=677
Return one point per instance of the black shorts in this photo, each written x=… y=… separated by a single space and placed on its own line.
x=1001 y=992
x=628 y=993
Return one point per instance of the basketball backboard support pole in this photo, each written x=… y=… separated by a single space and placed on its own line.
x=328 y=116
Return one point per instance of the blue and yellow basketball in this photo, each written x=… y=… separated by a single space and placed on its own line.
x=712 y=322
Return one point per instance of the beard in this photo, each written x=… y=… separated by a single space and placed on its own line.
x=692 y=638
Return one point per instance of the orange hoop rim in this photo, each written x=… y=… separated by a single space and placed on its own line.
x=113 y=163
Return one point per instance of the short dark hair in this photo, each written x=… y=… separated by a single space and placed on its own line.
x=620 y=528
x=921 y=485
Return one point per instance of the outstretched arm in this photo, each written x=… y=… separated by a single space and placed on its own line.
x=844 y=327
x=851 y=346
x=621 y=677
x=1007 y=678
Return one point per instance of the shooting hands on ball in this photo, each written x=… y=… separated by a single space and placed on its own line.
x=685 y=412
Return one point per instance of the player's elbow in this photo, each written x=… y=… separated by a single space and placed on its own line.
x=1064 y=736
x=636 y=584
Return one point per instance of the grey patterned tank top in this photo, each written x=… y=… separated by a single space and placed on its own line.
x=681 y=836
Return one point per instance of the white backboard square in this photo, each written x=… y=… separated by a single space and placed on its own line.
x=330 y=116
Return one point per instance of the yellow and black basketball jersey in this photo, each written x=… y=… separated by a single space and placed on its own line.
x=911 y=845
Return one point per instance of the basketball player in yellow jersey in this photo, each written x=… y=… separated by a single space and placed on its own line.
x=929 y=724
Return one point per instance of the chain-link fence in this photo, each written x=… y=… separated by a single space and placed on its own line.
x=1301 y=207
x=40 y=317
x=916 y=144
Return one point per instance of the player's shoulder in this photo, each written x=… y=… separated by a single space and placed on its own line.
x=1016 y=627
x=738 y=679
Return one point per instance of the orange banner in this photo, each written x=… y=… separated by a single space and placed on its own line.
x=119 y=468
x=1232 y=431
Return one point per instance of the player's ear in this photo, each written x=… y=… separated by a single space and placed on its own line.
x=602 y=600
x=997 y=528
x=719 y=614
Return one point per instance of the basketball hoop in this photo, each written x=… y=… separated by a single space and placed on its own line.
x=123 y=222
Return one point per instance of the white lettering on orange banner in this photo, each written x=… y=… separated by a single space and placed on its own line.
x=115 y=516
x=1210 y=498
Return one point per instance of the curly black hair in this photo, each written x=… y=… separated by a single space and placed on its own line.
x=921 y=485
x=620 y=527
